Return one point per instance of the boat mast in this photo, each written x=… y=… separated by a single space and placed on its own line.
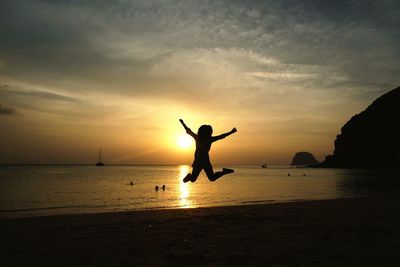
x=100 y=155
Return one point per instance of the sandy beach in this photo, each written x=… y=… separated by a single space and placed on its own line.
x=356 y=231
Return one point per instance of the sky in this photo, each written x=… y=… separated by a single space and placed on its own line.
x=79 y=75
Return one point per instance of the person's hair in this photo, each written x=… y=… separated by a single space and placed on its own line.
x=205 y=131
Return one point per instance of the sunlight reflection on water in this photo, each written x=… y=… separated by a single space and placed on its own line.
x=184 y=190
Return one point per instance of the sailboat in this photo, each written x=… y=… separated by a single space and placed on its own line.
x=99 y=163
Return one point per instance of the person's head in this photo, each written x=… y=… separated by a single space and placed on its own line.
x=205 y=131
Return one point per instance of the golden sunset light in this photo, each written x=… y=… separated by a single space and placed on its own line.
x=199 y=132
x=185 y=141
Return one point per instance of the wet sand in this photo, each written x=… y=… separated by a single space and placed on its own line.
x=357 y=231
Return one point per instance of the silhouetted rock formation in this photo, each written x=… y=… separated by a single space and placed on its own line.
x=304 y=158
x=370 y=139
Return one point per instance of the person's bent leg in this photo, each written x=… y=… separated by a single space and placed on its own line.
x=196 y=169
x=215 y=176
x=210 y=173
x=195 y=173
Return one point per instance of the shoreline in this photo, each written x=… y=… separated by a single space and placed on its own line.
x=13 y=214
x=359 y=231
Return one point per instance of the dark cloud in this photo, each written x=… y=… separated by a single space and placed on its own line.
x=10 y=91
x=7 y=110
x=49 y=102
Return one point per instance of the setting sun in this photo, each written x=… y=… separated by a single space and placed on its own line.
x=184 y=141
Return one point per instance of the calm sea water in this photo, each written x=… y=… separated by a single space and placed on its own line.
x=48 y=190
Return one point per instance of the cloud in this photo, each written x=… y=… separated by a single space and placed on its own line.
x=96 y=46
x=86 y=46
x=41 y=100
x=10 y=91
x=7 y=110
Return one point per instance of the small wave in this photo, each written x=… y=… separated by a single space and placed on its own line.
x=258 y=201
x=87 y=207
x=109 y=206
x=42 y=208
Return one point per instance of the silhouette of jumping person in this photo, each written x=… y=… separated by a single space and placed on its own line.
x=204 y=139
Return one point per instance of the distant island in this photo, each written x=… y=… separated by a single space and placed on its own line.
x=370 y=139
x=304 y=159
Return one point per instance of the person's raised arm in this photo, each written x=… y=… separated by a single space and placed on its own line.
x=222 y=136
x=188 y=130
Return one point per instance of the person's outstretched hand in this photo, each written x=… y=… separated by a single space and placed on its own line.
x=234 y=130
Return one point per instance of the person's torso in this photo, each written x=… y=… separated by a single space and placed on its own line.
x=203 y=146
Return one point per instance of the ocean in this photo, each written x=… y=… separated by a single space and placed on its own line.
x=61 y=189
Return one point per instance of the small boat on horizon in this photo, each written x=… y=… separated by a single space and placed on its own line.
x=99 y=162
x=264 y=165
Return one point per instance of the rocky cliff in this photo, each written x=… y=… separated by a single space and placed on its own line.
x=370 y=139
x=304 y=158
